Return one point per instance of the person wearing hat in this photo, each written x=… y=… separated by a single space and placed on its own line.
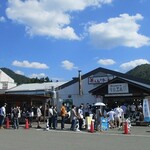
x=2 y=115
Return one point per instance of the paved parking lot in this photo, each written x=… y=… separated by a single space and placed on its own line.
x=38 y=139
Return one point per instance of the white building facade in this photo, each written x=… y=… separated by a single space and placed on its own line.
x=6 y=82
x=77 y=90
x=103 y=85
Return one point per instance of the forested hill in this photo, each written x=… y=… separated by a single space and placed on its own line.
x=20 y=79
x=142 y=71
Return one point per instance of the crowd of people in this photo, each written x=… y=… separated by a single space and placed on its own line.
x=115 y=116
x=17 y=115
x=76 y=115
x=119 y=114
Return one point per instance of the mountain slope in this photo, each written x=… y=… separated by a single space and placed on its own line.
x=142 y=71
x=19 y=79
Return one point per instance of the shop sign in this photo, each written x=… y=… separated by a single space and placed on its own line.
x=95 y=80
x=118 y=88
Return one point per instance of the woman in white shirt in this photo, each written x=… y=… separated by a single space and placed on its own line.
x=2 y=115
x=39 y=114
x=111 y=118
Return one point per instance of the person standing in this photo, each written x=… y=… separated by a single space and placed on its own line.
x=73 y=118
x=63 y=115
x=50 y=113
x=119 y=116
x=39 y=114
x=54 y=117
x=2 y=115
x=80 y=115
x=124 y=108
x=86 y=110
x=31 y=115
x=111 y=118
x=98 y=117
x=15 y=112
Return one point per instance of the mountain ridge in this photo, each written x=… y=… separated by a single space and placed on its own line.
x=21 y=79
x=141 y=71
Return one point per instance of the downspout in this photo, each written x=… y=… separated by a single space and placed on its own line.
x=80 y=83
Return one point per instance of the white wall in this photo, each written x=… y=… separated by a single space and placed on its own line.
x=6 y=82
x=72 y=92
x=1 y=85
x=4 y=77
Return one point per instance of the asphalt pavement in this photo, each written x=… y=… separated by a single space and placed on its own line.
x=40 y=139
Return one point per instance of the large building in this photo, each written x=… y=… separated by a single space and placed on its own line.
x=98 y=85
x=31 y=94
x=105 y=85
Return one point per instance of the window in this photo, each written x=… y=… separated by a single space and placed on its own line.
x=5 y=86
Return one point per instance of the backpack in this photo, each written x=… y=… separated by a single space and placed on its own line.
x=15 y=113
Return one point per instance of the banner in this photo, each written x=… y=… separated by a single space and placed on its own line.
x=146 y=110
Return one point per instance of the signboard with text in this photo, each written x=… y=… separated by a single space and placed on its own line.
x=118 y=88
x=96 y=80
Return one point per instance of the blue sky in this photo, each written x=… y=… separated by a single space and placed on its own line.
x=56 y=38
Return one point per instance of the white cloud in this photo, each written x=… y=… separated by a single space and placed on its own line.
x=132 y=64
x=49 y=17
x=19 y=72
x=106 y=62
x=41 y=75
x=2 y=19
x=119 y=31
x=27 y=64
x=68 y=65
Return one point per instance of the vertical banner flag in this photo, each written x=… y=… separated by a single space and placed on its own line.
x=146 y=109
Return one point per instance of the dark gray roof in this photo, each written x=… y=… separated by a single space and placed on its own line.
x=107 y=71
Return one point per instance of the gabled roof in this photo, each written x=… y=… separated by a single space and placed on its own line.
x=104 y=70
x=132 y=82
